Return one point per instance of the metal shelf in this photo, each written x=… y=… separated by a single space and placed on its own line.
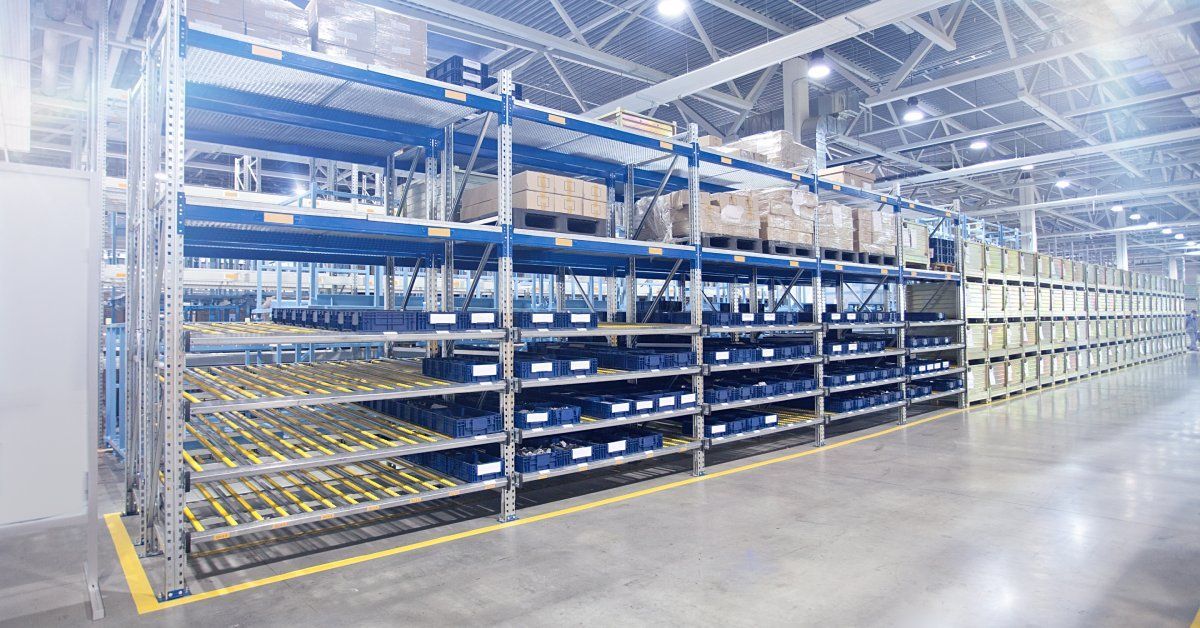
x=896 y=325
x=228 y=388
x=861 y=385
x=222 y=509
x=937 y=395
x=607 y=375
x=945 y=323
x=942 y=373
x=949 y=347
x=786 y=422
x=764 y=364
x=235 y=444
x=613 y=329
x=671 y=445
x=589 y=423
x=873 y=409
x=863 y=356
x=758 y=401
x=750 y=329
x=214 y=335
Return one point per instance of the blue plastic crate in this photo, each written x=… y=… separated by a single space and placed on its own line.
x=452 y=419
x=943 y=384
x=536 y=320
x=472 y=464
x=461 y=369
x=534 y=414
x=575 y=320
x=477 y=320
x=925 y=316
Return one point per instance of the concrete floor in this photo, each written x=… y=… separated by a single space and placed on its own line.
x=1075 y=506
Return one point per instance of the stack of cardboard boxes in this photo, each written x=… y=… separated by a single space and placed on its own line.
x=777 y=148
x=835 y=226
x=539 y=191
x=849 y=175
x=275 y=21
x=875 y=231
x=785 y=215
x=355 y=31
x=723 y=213
x=915 y=239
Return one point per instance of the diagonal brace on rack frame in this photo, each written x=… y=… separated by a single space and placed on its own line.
x=412 y=170
x=787 y=291
x=412 y=281
x=487 y=123
x=657 y=193
x=584 y=293
x=661 y=291
x=483 y=260
x=863 y=302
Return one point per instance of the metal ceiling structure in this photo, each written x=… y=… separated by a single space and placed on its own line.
x=1103 y=93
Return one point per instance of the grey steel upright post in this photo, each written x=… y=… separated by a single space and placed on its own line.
x=960 y=266
x=901 y=302
x=174 y=408
x=98 y=120
x=818 y=315
x=389 y=269
x=504 y=292
x=695 y=286
x=131 y=355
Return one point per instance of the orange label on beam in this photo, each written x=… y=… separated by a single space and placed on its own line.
x=556 y=119
x=837 y=187
x=837 y=267
x=794 y=264
x=564 y=242
x=883 y=271
x=453 y=95
x=263 y=51
x=279 y=219
x=439 y=232
x=739 y=258
x=654 y=250
x=726 y=160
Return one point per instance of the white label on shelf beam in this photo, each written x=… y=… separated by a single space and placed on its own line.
x=537 y=417
x=619 y=407
x=580 y=452
x=768 y=318
x=688 y=398
x=771 y=419
x=581 y=365
x=721 y=355
x=443 y=319
x=768 y=353
x=541 y=367
x=616 y=446
x=851 y=378
x=483 y=317
x=581 y=318
x=851 y=316
x=852 y=347
x=718 y=429
x=747 y=317
x=542 y=317
x=644 y=404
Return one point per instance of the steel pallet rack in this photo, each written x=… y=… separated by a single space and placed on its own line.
x=221 y=451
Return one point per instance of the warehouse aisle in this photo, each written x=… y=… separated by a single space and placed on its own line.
x=1074 y=506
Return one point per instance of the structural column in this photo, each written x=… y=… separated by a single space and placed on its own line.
x=1027 y=195
x=1122 y=244
x=795 y=95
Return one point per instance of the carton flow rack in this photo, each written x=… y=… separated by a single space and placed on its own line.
x=186 y=483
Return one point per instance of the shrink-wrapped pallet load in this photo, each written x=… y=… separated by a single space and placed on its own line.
x=875 y=231
x=835 y=226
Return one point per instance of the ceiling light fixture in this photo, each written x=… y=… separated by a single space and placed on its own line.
x=671 y=8
x=1117 y=208
x=818 y=68
x=1063 y=182
x=301 y=190
x=1167 y=231
x=913 y=113
x=1135 y=216
x=979 y=145
x=1178 y=236
x=1027 y=167
x=1191 y=243
x=1152 y=224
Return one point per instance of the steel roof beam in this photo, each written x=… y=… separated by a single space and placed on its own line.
x=797 y=43
x=1141 y=193
x=1171 y=22
x=944 y=40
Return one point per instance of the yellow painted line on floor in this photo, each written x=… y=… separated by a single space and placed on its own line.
x=1196 y=620
x=146 y=602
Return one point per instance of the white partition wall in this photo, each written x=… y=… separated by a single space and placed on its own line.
x=49 y=359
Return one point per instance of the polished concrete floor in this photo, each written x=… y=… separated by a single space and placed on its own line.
x=1075 y=506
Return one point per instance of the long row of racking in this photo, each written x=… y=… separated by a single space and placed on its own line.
x=1035 y=320
x=346 y=421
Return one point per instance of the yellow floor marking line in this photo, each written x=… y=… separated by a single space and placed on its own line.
x=1196 y=620
x=146 y=602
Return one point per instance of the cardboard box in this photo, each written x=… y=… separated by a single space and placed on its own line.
x=708 y=141
x=228 y=24
x=875 y=231
x=344 y=23
x=786 y=229
x=849 y=175
x=227 y=9
x=483 y=204
x=784 y=202
x=279 y=15
x=834 y=224
x=579 y=188
x=726 y=214
x=915 y=240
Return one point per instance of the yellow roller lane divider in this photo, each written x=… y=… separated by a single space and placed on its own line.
x=318 y=372
x=370 y=376
x=270 y=419
x=325 y=418
x=396 y=429
x=430 y=479
x=229 y=440
x=328 y=484
x=213 y=449
x=277 y=421
x=257 y=439
x=196 y=525
x=241 y=501
x=276 y=379
x=319 y=385
x=216 y=505
x=340 y=474
x=390 y=475
x=367 y=479
x=196 y=466
x=290 y=495
x=247 y=378
x=195 y=379
x=308 y=489
x=218 y=376
x=190 y=397
x=213 y=385
x=266 y=499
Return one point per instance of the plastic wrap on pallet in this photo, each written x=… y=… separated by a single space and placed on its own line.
x=849 y=175
x=835 y=226
x=916 y=242
x=778 y=148
x=874 y=231
x=359 y=32
x=724 y=213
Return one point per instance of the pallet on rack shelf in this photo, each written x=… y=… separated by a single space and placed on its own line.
x=567 y=224
x=740 y=244
x=777 y=247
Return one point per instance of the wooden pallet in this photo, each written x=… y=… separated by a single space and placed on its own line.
x=731 y=243
x=776 y=247
x=920 y=265
x=940 y=267
x=566 y=224
x=838 y=255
